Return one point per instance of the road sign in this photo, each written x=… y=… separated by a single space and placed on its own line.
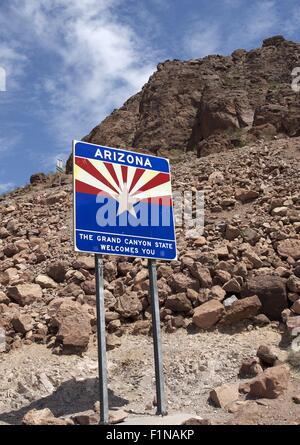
x=122 y=203
x=60 y=166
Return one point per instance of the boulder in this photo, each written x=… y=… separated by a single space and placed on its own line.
x=43 y=417
x=86 y=418
x=4 y=298
x=270 y=384
x=10 y=250
x=22 y=323
x=289 y=248
x=250 y=368
x=253 y=258
x=38 y=178
x=266 y=355
x=4 y=278
x=279 y=211
x=141 y=276
x=232 y=286
x=110 y=271
x=202 y=274
x=24 y=294
x=232 y=232
x=55 y=198
x=73 y=323
x=129 y=305
x=208 y=314
x=200 y=242
x=218 y=293
x=296 y=307
x=141 y=327
x=271 y=291
x=89 y=287
x=179 y=282
x=84 y=262
x=293 y=284
x=45 y=282
x=242 y=309
x=261 y=320
x=250 y=236
x=245 y=195
x=178 y=303
x=57 y=271
x=116 y=416
x=223 y=395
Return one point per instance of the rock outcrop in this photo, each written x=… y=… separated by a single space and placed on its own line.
x=209 y=105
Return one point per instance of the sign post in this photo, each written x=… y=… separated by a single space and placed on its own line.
x=123 y=206
x=158 y=360
x=101 y=340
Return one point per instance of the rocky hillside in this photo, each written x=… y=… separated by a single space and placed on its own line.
x=240 y=276
x=210 y=104
x=245 y=266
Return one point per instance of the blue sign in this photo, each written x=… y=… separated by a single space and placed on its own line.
x=122 y=203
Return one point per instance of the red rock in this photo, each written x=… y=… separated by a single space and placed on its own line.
x=178 y=303
x=271 y=291
x=84 y=262
x=289 y=248
x=22 y=323
x=10 y=250
x=202 y=274
x=232 y=286
x=180 y=282
x=24 y=294
x=224 y=395
x=296 y=307
x=43 y=417
x=116 y=416
x=270 y=384
x=57 y=271
x=129 y=305
x=266 y=355
x=244 y=195
x=208 y=314
x=250 y=368
x=45 y=282
x=242 y=309
x=74 y=325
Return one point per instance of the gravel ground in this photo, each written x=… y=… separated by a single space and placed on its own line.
x=34 y=377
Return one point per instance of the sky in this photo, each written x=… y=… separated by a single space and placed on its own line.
x=67 y=64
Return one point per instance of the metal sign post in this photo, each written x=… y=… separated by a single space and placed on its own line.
x=115 y=191
x=158 y=361
x=103 y=391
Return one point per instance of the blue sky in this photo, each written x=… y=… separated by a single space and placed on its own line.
x=69 y=63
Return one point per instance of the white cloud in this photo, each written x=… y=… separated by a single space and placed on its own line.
x=5 y=187
x=8 y=143
x=248 y=25
x=262 y=19
x=202 y=40
x=98 y=60
x=12 y=63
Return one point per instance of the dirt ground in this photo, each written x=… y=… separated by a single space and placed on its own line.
x=194 y=363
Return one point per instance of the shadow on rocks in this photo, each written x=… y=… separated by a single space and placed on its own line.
x=70 y=397
x=222 y=328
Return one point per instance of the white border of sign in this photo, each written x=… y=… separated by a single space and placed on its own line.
x=74 y=142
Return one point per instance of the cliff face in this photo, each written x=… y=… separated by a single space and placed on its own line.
x=210 y=104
